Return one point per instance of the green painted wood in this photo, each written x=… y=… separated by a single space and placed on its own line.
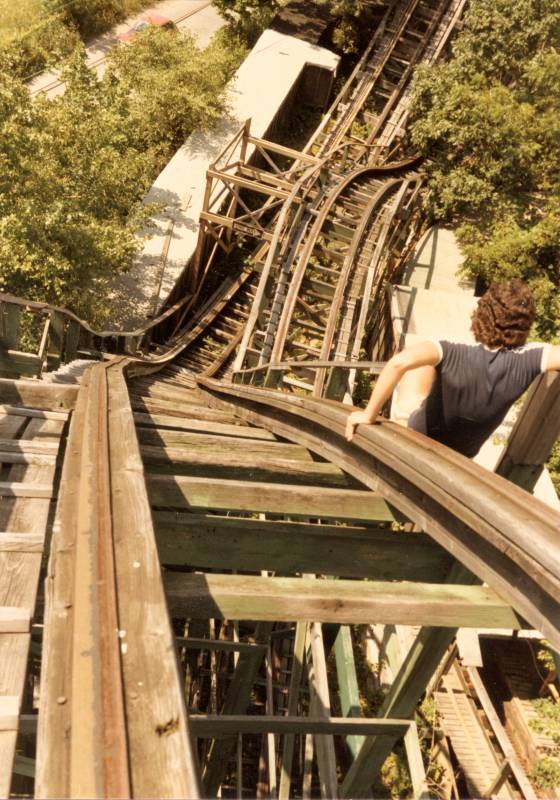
x=215 y=542
x=408 y=686
x=56 y=340
x=14 y=363
x=305 y=600
x=167 y=491
x=72 y=340
x=9 y=325
x=348 y=682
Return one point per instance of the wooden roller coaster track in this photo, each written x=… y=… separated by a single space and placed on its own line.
x=214 y=541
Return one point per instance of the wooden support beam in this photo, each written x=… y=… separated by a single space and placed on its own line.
x=14 y=362
x=201 y=540
x=167 y=491
x=204 y=426
x=236 y=702
x=536 y=430
x=178 y=461
x=293 y=701
x=320 y=706
x=193 y=643
x=248 y=597
x=348 y=682
x=210 y=726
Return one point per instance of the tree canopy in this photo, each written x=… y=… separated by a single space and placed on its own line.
x=74 y=169
x=488 y=122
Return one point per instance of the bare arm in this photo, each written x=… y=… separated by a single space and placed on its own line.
x=420 y=355
x=553 y=362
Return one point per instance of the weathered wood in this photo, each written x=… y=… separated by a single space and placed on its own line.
x=204 y=426
x=25 y=490
x=290 y=547
x=192 y=643
x=186 y=492
x=293 y=702
x=222 y=725
x=222 y=464
x=14 y=362
x=248 y=597
x=20 y=411
x=14 y=619
x=320 y=706
x=162 y=761
x=53 y=745
x=9 y=713
x=347 y=682
x=21 y=542
x=38 y=394
x=206 y=443
x=536 y=430
x=236 y=702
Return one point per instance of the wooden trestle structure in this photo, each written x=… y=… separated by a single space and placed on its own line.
x=211 y=537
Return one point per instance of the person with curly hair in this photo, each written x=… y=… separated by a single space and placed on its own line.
x=458 y=394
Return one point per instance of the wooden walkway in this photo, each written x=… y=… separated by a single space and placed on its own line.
x=32 y=424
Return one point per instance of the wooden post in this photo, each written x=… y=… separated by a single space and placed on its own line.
x=534 y=434
x=236 y=702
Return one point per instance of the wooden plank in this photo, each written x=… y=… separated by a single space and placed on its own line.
x=41 y=490
x=222 y=725
x=226 y=464
x=9 y=713
x=14 y=619
x=15 y=362
x=298 y=599
x=21 y=542
x=9 y=325
x=20 y=411
x=53 y=743
x=320 y=706
x=185 y=492
x=38 y=394
x=162 y=760
x=347 y=682
x=289 y=547
x=32 y=446
x=204 y=426
x=206 y=443
x=293 y=702
x=193 y=643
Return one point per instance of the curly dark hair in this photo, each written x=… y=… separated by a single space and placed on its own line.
x=504 y=315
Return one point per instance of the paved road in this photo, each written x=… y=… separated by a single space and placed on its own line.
x=197 y=16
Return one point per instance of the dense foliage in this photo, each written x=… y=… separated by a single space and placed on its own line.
x=489 y=122
x=74 y=169
x=351 y=18
x=38 y=33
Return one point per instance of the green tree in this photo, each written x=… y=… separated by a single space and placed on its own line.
x=488 y=122
x=74 y=169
